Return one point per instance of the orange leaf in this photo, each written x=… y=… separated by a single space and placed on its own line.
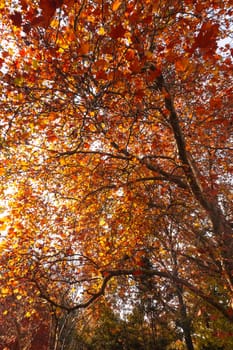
x=51 y=137
x=84 y=49
x=116 y=4
x=182 y=64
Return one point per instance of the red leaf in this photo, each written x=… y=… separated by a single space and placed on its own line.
x=206 y=38
x=24 y=4
x=16 y=19
x=48 y=8
x=117 y=32
x=137 y=273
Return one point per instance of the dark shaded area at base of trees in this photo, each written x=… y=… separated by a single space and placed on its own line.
x=100 y=328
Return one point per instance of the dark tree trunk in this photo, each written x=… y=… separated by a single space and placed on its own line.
x=185 y=322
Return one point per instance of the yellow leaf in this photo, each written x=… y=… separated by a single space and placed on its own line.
x=101 y=31
x=28 y=314
x=102 y=222
x=5 y=312
x=5 y=291
x=162 y=251
x=3 y=245
x=3 y=224
x=92 y=128
x=63 y=161
x=34 y=64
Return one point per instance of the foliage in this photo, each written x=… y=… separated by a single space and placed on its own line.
x=110 y=331
x=116 y=140
x=24 y=325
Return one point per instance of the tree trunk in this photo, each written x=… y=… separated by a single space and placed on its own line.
x=185 y=322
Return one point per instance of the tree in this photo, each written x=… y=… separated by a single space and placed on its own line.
x=115 y=143
x=24 y=325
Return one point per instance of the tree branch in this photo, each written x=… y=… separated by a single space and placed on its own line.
x=109 y=274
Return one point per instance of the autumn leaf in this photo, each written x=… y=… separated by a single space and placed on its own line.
x=16 y=18
x=137 y=273
x=117 y=32
x=101 y=31
x=2 y=171
x=206 y=38
x=116 y=4
x=48 y=8
x=182 y=64
x=28 y=314
x=116 y=141
x=84 y=49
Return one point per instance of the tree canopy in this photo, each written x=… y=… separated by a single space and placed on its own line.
x=116 y=147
